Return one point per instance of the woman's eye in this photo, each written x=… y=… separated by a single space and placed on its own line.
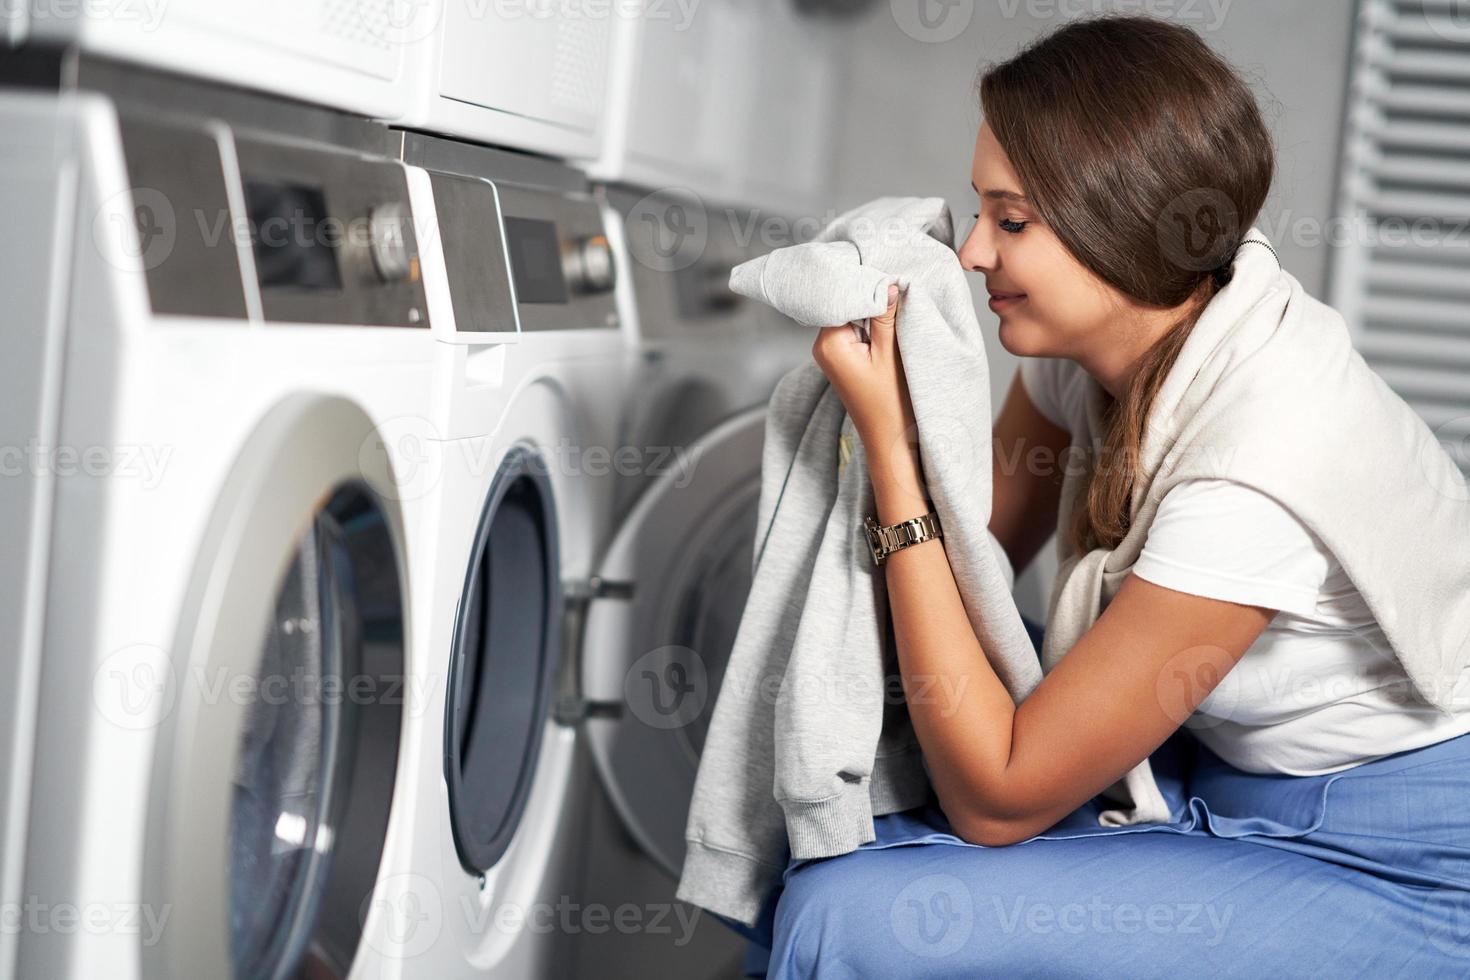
x=1012 y=226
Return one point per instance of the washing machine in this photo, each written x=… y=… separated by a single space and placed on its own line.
x=672 y=584
x=531 y=374
x=225 y=326
x=346 y=54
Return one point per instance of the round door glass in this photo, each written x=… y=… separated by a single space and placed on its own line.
x=504 y=656
x=295 y=796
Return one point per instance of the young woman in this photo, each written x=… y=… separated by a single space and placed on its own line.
x=1320 y=814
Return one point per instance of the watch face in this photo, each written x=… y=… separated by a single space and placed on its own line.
x=875 y=544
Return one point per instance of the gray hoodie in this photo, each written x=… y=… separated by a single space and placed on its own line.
x=810 y=736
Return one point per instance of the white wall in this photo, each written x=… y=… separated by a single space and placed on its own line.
x=910 y=114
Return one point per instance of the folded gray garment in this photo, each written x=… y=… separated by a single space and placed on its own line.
x=810 y=736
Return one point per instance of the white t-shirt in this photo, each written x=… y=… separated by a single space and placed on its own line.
x=1320 y=690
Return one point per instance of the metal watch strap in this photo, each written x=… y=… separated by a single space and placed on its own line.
x=884 y=541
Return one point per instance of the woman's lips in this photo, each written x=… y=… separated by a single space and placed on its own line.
x=1003 y=301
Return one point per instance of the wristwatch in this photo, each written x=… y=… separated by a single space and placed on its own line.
x=884 y=541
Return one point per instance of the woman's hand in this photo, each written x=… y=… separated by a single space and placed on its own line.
x=868 y=375
x=870 y=381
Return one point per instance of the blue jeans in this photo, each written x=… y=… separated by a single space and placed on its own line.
x=758 y=952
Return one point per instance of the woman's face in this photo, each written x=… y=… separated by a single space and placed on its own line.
x=1049 y=304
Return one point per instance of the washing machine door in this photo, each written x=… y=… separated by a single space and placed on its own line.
x=655 y=650
x=275 y=772
x=503 y=661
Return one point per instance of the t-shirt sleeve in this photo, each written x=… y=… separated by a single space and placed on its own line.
x=1046 y=385
x=1226 y=540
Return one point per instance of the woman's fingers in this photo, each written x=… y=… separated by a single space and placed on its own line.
x=848 y=339
x=881 y=327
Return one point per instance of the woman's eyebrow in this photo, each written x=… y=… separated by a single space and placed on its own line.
x=1000 y=195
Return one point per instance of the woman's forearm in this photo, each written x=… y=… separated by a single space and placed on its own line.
x=962 y=713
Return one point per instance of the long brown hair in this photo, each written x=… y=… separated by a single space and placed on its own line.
x=1147 y=156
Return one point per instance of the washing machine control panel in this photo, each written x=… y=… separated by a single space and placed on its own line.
x=524 y=245
x=560 y=264
x=332 y=234
x=249 y=224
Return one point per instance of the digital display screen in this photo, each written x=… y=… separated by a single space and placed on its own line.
x=535 y=261
x=294 y=246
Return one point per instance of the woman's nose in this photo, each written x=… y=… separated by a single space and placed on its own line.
x=977 y=251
